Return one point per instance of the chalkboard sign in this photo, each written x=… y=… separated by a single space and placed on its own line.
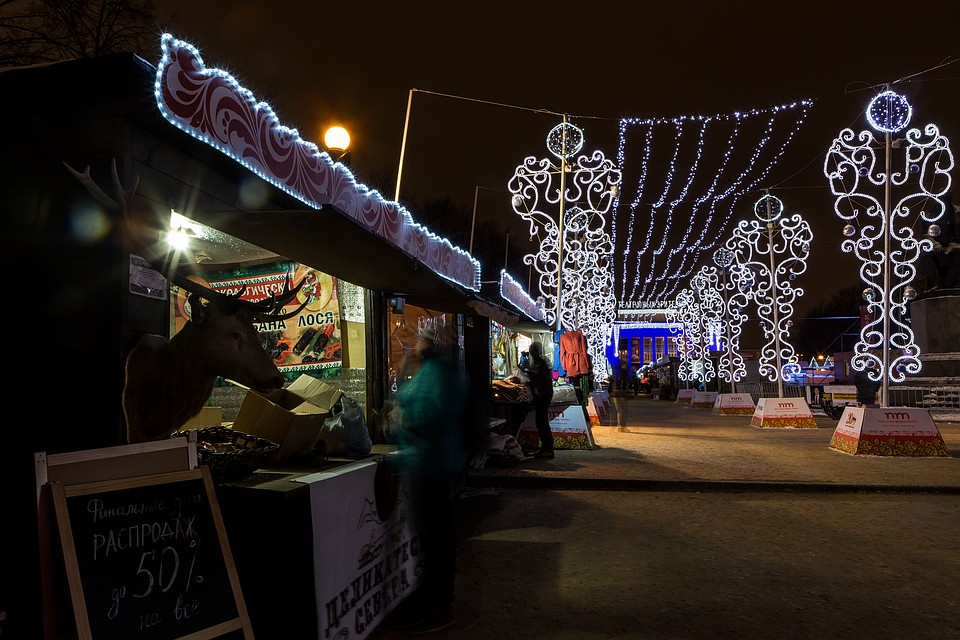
x=147 y=557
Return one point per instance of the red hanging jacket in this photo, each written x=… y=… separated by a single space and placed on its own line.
x=573 y=353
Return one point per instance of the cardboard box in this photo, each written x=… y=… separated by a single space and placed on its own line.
x=288 y=416
x=208 y=417
x=316 y=392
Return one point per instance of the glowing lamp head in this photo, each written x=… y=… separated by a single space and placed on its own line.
x=336 y=138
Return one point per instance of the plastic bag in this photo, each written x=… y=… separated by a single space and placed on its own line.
x=345 y=432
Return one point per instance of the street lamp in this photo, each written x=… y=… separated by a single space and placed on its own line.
x=336 y=139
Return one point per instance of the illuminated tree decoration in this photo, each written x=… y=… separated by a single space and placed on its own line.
x=864 y=169
x=774 y=250
x=709 y=302
x=683 y=318
x=575 y=275
x=735 y=286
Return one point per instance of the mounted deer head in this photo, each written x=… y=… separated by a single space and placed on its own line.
x=167 y=382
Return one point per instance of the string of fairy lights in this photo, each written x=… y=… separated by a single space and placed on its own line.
x=698 y=186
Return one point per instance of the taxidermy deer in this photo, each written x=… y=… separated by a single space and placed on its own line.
x=167 y=382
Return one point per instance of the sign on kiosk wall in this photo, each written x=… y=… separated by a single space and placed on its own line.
x=308 y=342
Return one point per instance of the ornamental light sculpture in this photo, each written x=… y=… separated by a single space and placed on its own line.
x=574 y=257
x=686 y=315
x=775 y=249
x=736 y=283
x=886 y=245
x=705 y=286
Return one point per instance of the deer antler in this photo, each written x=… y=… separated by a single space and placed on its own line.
x=266 y=310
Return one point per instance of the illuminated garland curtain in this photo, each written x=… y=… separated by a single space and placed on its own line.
x=682 y=179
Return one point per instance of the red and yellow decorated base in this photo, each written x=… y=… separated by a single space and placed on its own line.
x=685 y=396
x=889 y=431
x=568 y=425
x=733 y=404
x=783 y=413
x=704 y=399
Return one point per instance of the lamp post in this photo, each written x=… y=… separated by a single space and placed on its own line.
x=574 y=258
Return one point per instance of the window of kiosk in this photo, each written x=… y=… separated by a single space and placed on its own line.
x=325 y=340
x=404 y=328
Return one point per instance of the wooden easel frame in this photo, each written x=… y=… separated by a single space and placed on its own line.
x=61 y=492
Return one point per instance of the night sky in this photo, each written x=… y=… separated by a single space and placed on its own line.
x=493 y=79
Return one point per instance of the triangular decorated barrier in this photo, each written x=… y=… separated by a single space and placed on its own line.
x=567 y=423
x=733 y=404
x=685 y=396
x=783 y=413
x=889 y=431
x=703 y=399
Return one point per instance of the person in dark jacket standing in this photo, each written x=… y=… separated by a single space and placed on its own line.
x=866 y=387
x=541 y=387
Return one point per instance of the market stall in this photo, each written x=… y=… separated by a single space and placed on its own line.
x=263 y=207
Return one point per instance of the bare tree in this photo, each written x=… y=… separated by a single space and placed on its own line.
x=49 y=30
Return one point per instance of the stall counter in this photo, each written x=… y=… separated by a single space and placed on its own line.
x=326 y=550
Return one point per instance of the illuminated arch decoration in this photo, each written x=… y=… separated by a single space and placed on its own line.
x=774 y=249
x=575 y=275
x=683 y=178
x=210 y=105
x=864 y=170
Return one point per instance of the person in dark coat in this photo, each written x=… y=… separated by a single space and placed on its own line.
x=541 y=387
x=867 y=388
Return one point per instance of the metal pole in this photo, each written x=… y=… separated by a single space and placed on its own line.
x=726 y=333
x=403 y=144
x=887 y=223
x=563 y=175
x=473 y=220
x=773 y=294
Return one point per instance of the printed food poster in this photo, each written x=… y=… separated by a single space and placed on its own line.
x=308 y=342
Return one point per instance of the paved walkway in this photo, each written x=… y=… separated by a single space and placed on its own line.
x=645 y=444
